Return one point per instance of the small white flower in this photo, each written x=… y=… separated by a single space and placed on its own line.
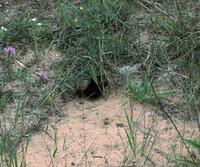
x=33 y=19
x=4 y=29
x=75 y=20
x=81 y=8
x=39 y=24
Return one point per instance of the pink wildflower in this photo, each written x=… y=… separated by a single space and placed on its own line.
x=10 y=51
x=42 y=74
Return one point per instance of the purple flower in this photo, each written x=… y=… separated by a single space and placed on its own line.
x=10 y=51
x=42 y=74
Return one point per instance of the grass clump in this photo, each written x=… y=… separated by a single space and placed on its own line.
x=98 y=37
x=94 y=34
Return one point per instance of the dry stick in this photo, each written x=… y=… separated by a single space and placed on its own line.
x=84 y=138
x=198 y=121
x=167 y=115
x=23 y=163
x=125 y=147
x=89 y=148
x=48 y=150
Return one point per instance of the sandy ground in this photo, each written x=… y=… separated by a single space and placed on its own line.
x=93 y=135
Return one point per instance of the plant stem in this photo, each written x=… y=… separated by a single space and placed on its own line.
x=167 y=115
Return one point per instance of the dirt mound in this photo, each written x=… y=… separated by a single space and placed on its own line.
x=93 y=134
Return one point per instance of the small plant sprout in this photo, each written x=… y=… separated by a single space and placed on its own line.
x=42 y=74
x=10 y=51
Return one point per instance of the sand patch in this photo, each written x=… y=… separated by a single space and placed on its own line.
x=93 y=134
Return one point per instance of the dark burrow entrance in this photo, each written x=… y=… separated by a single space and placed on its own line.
x=93 y=91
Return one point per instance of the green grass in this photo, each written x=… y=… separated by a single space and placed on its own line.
x=95 y=39
x=93 y=34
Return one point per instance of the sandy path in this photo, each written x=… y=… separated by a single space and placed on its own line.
x=89 y=136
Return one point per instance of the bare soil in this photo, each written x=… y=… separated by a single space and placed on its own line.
x=93 y=134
